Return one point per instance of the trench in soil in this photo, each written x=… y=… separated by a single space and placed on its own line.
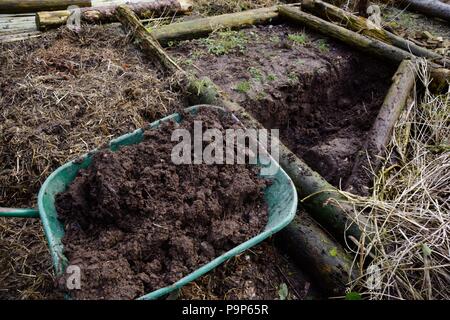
x=321 y=95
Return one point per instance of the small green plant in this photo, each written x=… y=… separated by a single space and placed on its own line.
x=353 y=296
x=261 y=95
x=333 y=252
x=298 y=38
x=293 y=78
x=196 y=54
x=323 y=45
x=275 y=39
x=283 y=291
x=226 y=41
x=200 y=85
x=271 y=77
x=171 y=43
x=243 y=87
x=255 y=73
x=188 y=62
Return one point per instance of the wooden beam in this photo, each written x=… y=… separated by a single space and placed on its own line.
x=431 y=8
x=315 y=252
x=14 y=6
x=371 y=46
x=52 y=19
x=363 y=26
x=374 y=150
x=204 y=26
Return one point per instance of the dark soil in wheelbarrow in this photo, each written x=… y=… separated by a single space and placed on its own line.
x=322 y=95
x=136 y=222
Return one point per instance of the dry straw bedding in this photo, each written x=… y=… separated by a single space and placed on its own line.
x=408 y=254
x=61 y=96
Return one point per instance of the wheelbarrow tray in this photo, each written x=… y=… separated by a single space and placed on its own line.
x=281 y=197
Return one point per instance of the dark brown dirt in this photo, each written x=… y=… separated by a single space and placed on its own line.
x=135 y=222
x=322 y=95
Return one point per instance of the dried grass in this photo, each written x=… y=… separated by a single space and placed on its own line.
x=408 y=256
x=61 y=96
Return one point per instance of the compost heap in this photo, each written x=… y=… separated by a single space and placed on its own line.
x=135 y=222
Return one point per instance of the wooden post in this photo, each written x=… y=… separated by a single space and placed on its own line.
x=321 y=195
x=52 y=19
x=373 y=152
x=22 y=6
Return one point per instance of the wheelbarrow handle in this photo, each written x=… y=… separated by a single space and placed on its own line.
x=19 y=213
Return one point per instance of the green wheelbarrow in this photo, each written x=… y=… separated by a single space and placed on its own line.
x=281 y=197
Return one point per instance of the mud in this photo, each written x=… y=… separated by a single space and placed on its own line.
x=322 y=95
x=135 y=222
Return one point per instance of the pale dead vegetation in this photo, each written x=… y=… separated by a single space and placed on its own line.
x=61 y=96
x=408 y=254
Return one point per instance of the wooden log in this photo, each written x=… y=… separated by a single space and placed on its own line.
x=204 y=26
x=145 y=39
x=318 y=254
x=363 y=26
x=373 y=152
x=52 y=19
x=14 y=6
x=309 y=183
x=371 y=46
x=431 y=8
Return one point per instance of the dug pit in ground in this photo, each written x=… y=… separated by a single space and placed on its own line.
x=321 y=95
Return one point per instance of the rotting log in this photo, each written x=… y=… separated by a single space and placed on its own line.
x=145 y=40
x=318 y=193
x=52 y=19
x=315 y=252
x=203 y=26
x=14 y=6
x=371 y=46
x=363 y=26
x=373 y=152
x=431 y=8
